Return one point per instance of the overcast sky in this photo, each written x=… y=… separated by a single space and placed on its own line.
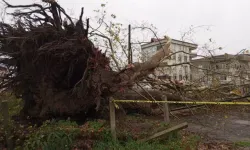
x=229 y=20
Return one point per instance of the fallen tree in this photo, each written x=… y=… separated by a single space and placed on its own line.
x=55 y=68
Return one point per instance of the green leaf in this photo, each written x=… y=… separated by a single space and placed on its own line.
x=38 y=143
x=57 y=135
x=117 y=38
x=70 y=140
x=33 y=145
x=45 y=146
x=50 y=137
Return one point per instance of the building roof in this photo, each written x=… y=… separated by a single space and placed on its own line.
x=155 y=42
x=225 y=57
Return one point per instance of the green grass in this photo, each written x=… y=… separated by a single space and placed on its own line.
x=171 y=142
x=135 y=145
x=53 y=135
x=128 y=145
x=243 y=144
x=14 y=104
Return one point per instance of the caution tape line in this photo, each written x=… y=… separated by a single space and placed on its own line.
x=181 y=102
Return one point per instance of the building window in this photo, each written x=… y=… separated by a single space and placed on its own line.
x=179 y=58
x=174 y=57
x=175 y=77
x=227 y=66
x=200 y=68
x=223 y=77
x=217 y=66
x=185 y=58
x=180 y=71
x=180 y=77
x=185 y=69
x=186 y=77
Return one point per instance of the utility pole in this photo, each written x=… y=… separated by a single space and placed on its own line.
x=130 y=55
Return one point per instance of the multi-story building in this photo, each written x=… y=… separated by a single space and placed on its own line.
x=221 y=69
x=176 y=67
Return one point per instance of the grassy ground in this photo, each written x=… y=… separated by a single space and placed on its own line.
x=242 y=144
x=66 y=134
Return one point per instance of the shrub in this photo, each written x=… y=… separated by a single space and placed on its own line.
x=53 y=135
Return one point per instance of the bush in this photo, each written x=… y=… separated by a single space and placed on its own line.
x=53 y=135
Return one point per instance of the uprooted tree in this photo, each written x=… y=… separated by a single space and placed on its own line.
x=55 y=68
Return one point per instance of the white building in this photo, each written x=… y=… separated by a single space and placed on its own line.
x=181 y=54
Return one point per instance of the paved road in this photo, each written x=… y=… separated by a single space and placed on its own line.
x=231 y=126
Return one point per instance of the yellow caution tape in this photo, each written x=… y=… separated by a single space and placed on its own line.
x=181 y=102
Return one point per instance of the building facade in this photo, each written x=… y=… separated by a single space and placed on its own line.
x=175 y=67
x=222 y=69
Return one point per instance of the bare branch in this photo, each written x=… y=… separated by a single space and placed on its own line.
x=111 y=47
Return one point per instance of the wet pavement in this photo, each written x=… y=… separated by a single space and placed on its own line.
x=233 y=126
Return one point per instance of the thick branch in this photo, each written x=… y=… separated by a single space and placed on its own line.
x=138 y=70
x=27 y=6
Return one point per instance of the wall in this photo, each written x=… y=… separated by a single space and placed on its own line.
x=225 y=72
x=179 y=72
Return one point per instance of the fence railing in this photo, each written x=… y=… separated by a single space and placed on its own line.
x=165 y=110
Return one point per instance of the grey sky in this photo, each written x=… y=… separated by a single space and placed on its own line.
x=229 y=19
